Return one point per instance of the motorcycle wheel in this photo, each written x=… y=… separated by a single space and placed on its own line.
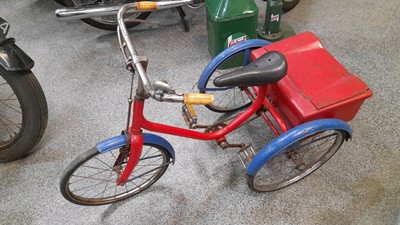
x=107 y=22
x=60 y=2
x=23 y=114
x=289 y=5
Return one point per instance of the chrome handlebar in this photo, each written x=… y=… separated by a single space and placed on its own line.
x=160 y=90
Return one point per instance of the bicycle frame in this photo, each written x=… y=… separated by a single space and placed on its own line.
x=139 y=122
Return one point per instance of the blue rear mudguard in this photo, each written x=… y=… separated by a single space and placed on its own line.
x=120 y=141
x=286 y=139
x=217 y=60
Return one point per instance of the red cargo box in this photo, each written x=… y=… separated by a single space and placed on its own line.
x=316 y=85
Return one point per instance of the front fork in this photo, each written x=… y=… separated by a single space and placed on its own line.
x=135 y=138
x=136 y=146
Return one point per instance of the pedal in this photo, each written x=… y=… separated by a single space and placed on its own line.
x=246 y=154
x=189 y=115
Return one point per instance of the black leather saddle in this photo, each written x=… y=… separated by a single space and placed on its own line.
x=267 y=69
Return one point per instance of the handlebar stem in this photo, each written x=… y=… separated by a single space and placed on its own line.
x=134 y=57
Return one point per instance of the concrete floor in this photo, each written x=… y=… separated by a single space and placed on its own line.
x=82 y=73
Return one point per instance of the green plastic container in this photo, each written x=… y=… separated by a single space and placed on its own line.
x=230 y=22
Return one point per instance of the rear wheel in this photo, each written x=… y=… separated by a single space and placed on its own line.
x=23 y=113
x=228 y=99
x=296 y=161
x=91 y=179
x=108 y=22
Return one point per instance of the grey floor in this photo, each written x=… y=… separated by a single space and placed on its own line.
x=82 y=73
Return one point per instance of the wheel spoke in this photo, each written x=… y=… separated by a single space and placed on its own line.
x=103 y=163
x=85 y=188
x=91 y=178
x=141 y=175
x=105 y=186
x=8 y=129
x=11 y=116
x=3 y=103
x=18 y=125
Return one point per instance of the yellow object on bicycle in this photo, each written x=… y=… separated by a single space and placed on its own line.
x=146 y=6
x=198 y=99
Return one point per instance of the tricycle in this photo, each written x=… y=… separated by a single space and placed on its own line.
x=300 y=90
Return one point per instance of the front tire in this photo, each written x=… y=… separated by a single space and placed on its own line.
x=91 y=179
x=23 y=114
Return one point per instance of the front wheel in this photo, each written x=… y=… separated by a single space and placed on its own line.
x=296 y=161
x=23 y=113
x=107 y=22
x=91 y=179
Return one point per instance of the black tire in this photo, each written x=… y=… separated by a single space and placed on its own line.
x=277 y=172
x=23 y=114
x=108 y=22
x=61 y=2
x=289 y=5
x=85 y=171
x=228 y=99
